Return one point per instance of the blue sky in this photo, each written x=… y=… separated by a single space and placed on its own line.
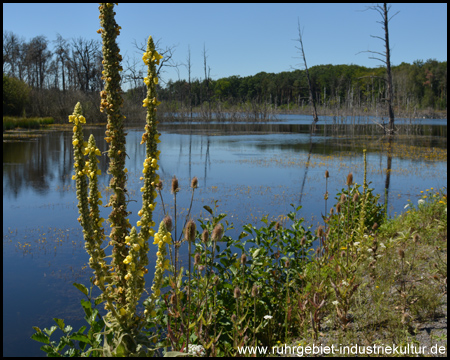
x=244 y=39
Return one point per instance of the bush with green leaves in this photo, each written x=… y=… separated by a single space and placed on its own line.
x=15 y=96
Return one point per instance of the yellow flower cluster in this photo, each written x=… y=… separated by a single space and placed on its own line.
x=76 y=119
x=146 y=102
x=151 y=56
x=162 y=237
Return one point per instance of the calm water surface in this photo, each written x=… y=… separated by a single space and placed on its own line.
x=251 y=169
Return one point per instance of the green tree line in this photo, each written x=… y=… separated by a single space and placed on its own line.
x=41 y=80
x=419 y=85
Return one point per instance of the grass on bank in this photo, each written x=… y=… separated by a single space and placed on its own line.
x=10 y=122
x=402 y=283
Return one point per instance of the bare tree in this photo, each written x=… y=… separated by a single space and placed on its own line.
x=167 y=53
x=86 y=61
x=207 y=70
x=62 y=55
x=189 y=68
x=384 y=13
x=302 y=51
x=12 y=45
x=37 y=59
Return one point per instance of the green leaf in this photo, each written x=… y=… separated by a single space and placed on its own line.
x=208 y=209
x=86 y=306
x=80 y=337
x=82 y=288
x=50 y=351
x=175 y=353
x=41 y=337
x=233 y=270
x=59 y=322
x=256 y=253
x=50 y=331
x=120 y=350
x=68 y=329
x=99 y=300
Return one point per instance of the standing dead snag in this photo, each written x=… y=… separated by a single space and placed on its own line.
x=311 y=98
x=384 y=12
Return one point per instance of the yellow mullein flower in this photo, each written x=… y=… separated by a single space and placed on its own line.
x=74 y=178
x=139 y=223
x=71 y=118
x=145 y=102
x=75 y=142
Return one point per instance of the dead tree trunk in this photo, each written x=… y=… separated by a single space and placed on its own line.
x=311 y=97
x=384 y=13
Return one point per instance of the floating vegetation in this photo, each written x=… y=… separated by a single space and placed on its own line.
x=43 y=241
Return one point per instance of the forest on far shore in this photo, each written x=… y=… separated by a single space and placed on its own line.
x=39 y=81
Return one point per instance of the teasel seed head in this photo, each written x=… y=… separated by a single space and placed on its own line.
x=190 y=231
x=331 y=211
x=168 y=223
x=217 y=233
x=237 y=293
x=159 y=185
x=194 y=183
x=349 y=179
x=205 y=236
x=303 y=241
x=287 y=263
x=277 y=225
x=243 y=259
x=375 y=226
x=320 y=232
x=327 y=174
x=174 y=188
x=343 y=198
x=255 y=290
x=173 y=299
x=401 y=253
x=338 y=207
x=355 y=197
x=197 y=259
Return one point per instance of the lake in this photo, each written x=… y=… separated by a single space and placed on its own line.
x=250 y=169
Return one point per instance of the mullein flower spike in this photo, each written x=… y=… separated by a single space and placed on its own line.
x=111 y=103
x=90 y=219
x=162 y=238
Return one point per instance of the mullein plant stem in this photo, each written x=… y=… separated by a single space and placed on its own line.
x=190 y=232
x=122 y=282
x=362 y=215
x=90 y=219
x=111 y=103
